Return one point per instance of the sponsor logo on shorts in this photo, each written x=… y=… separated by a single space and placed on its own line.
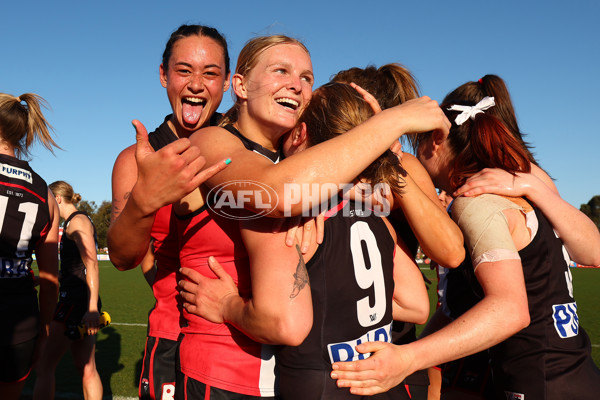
x=14 y=267
x=16 y=173
x=514 y=396
x=145 y=386
x=346 y=351
x=566 y=321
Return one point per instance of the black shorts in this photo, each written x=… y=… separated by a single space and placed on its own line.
x=16 y=361
x=472 y=374
x=189 y=388
x=72 y=306
x=157 y=380
x=19 y=311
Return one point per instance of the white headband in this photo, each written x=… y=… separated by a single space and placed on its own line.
x=471 y=112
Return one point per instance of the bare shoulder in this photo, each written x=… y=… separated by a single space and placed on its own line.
x=207 y=136
x=125 y=160
x=216 y=143
x=80 y=224
x=410 y=162
x=81 y=220
x=124 y=176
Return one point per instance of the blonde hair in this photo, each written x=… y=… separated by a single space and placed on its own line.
x=21 y=124
x=248 y=59
x=64 y=190
x=334 y=109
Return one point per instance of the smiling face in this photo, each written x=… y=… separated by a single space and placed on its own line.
x=278 y=87
x=195 y=79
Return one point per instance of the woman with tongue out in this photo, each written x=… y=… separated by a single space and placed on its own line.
x=272 y=84
x=195 y=73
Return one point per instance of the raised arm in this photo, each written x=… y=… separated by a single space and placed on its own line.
x=280 y=310
x=46 y=253
x=439 y=237
x=143 y=181
x=336 y=161
x=578 y=233
x=81 y=231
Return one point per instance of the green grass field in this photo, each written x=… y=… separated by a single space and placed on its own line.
x=127 y=297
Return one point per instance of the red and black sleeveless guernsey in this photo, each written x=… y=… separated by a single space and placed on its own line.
x=163 y=318
x=25 y=219
x=219 y=355
x=352 y=285
x=551 y=358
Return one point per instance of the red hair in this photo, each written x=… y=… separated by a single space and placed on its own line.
x=484 y=143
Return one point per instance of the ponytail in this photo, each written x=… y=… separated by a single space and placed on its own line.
x=492 y=86
x=484 y=142
x=65 y=190
x=21 y=124
x=391 y=84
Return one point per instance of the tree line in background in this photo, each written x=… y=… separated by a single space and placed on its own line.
x=592 y=209
x=100 y=215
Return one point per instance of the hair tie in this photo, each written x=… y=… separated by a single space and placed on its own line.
x=471 y=111
x=480 y=81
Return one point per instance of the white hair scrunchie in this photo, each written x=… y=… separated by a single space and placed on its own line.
x=471 y=111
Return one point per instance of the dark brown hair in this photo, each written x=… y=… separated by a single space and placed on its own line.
x=198 y=30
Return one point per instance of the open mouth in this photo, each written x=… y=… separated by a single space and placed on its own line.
x=192 y=109
x=288 y=103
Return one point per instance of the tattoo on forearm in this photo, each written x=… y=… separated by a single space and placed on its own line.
x=116 y=208
x=301 y=275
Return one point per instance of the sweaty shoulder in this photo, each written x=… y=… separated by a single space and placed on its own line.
x=216 y=143
x=126 y=156
x=485 y=226
x=210 y=135
x=124 y=176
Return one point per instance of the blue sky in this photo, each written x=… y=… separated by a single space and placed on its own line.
x=96 y=63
